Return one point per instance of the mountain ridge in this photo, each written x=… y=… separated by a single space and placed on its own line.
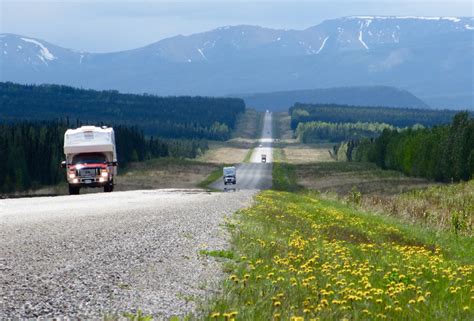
x=429 y=56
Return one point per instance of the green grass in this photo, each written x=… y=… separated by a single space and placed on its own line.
x=212 y=177
x=248 y=156
x=218 y=253
x=299 y=257
x=283 y=174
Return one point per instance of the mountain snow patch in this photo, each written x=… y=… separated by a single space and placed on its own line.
x=453 y=19
x=202 y=54
x=322 y=46
x=362 y=41
x=45 y=53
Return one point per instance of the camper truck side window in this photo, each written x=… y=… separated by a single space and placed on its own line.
x=89 y=158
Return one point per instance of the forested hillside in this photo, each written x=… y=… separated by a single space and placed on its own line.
x=399 y=117
x=171 y=117
x=444 y=153
x=31 y=152
x=356 y=95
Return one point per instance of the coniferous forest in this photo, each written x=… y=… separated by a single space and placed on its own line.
x=169 y=117
x=398 y=117
x=31 y=152
x=443 y=153
x=318 y=131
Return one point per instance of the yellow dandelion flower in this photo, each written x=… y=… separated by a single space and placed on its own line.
x=420 y=299
x=276 y=304
x=466 y=308
x=215 y=315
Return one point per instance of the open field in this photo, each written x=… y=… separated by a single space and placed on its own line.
x=300 y=257
x=230 y=152
x=295 y=153
x=342 y=177
x=164 y=173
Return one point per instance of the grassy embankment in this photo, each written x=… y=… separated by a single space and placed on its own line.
x=309 y=255
x=301 y=257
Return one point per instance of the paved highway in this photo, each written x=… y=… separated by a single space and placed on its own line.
x=254 y=175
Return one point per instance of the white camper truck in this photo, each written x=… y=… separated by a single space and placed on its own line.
x=91 y=158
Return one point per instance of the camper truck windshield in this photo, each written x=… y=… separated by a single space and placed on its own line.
x=89 y=158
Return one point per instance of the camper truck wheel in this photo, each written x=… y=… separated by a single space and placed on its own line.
x=109 y=188
x=74 y=190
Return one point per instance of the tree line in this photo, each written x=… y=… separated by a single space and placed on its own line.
x=443 y=153
x=398 y=117
x=169 y=117
x=313 y=132
x=31 y=152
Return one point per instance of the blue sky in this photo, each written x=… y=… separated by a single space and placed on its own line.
x=113 y=25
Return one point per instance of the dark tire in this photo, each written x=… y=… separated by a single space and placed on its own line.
x=74 y=190
x=109 y=188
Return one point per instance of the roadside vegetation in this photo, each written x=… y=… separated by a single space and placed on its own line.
x=300 y=257
x=364 y=185
x=281 y=126
x=248 y=125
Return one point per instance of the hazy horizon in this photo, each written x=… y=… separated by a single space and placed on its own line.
x=107 y=26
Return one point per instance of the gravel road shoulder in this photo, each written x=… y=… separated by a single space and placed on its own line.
x=102 y=254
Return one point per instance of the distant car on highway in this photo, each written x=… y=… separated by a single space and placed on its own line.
x=264 y=158
x=230 y=175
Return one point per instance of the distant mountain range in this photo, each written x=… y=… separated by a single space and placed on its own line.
x=432 y=57
x=372 y=96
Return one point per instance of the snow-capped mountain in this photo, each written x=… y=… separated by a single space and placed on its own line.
x=430 y=56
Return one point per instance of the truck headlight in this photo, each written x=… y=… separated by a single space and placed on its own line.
x=72 y=175
x=75 y=180
x=104 y=173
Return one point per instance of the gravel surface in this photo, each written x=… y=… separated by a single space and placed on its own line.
x=92 y=255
